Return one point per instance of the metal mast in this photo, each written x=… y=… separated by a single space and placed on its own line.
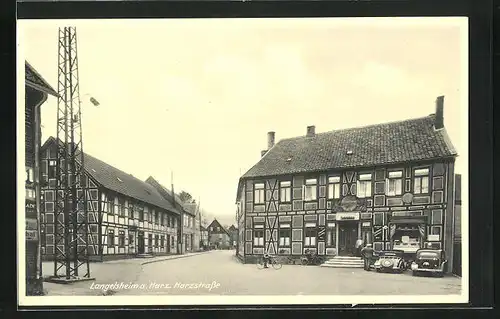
x=71 y=217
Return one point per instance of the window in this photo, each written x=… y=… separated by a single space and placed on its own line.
x=364 y=185
x=421 y=181
x=330 y=235
x=156 y=217
x=121 y=238
x=157 y=241
x=258 y=238
x=130 y=211
x=150 y=240
x=30 y=193
x=162 y=241
x=121 y=203
x=150 y=215
x=162 y=219
x=436 y=230
x=310 y=189
x=437 y=216
x=310 y=237
x=395 y=183
x=52 y=169
x=259 y=193
x=285 y=192
x=111 y=238
x=218 y=228
x=378 y=219
x=130 y=239
x=334 y=187
x=29 y=175
x=141 y=213
x=111 y=205
x=285 y=235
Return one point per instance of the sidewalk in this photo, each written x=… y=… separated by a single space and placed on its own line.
x=116 y=271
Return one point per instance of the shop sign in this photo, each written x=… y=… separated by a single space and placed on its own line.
x=347 y=216
x=30 y=207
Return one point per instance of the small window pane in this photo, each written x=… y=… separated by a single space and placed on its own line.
x=259 y=186
x=334 y=179
x=365 y=177
x=285 y=184
x=395 y=174
x=422 y=172
x=311 y=181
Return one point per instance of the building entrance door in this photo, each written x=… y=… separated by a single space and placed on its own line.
x=140 y=242
x=348 y=234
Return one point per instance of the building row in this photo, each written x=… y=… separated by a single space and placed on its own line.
x=126 y=216
x=391 y=185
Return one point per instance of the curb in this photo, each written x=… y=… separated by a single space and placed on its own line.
x=177 y=257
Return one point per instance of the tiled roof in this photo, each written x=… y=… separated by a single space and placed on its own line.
x=381 y=144
x=123 y=183
x=215 y=223
x=167 y=194
x=36 y=81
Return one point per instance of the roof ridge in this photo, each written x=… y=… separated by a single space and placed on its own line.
x=361 y=127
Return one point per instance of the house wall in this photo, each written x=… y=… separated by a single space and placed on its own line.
x=119 y=219
x=240 y=211
x=191 y=232
x=372 y=218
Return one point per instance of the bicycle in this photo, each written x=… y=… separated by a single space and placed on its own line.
x=272 y=262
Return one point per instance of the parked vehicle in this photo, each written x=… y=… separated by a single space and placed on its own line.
x=311 y=258
x=390 y=261
x=273 y=262
x=430 y=261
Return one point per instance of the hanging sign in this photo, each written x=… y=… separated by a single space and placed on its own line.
x=30 y=207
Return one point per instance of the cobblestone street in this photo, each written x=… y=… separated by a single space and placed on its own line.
x=220 y=273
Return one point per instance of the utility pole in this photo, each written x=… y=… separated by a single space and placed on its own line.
x=71 y=216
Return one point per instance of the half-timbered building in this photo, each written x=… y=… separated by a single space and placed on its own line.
x=218 y=236
x=37 y=91
x=190 y=233
x=390 y=184
x=126 y=216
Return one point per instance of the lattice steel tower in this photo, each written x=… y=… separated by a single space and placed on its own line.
x=71 y=217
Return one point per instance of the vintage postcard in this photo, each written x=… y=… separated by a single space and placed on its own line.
x=217 y=161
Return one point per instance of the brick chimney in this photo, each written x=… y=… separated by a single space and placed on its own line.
x=270 y=140
x=438 y=117
x=311 y=131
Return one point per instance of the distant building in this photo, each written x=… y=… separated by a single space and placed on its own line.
x=204 y=237
x=218 y=236
x=389 y=184
x=190 y=216
x=233 y=233
x=126 y=216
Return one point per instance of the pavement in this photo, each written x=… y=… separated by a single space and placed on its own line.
x=220 y=273
x=123 y=270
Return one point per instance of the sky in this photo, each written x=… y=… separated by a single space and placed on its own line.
x=197 y=97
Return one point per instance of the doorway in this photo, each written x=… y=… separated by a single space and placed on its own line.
x=140 y=242
x=348 y=234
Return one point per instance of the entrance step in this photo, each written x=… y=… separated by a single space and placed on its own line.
x=344 y=262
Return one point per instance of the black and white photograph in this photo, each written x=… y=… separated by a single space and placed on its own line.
x=242 y=161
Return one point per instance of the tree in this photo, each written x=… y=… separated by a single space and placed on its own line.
x=186 y=197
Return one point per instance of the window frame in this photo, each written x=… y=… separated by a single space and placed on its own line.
x=258 y=241
x=308 y=183
x=420 y=177
x=285 y=228
x=390 y=179
x=262 y=193
x=121 y=238
x=363 y=181
x=111 y=235
x=288 y=192
x=309 y=239
x=334 y=187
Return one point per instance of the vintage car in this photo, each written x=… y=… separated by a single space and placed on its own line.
x=390 y=261
x=431 y=261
